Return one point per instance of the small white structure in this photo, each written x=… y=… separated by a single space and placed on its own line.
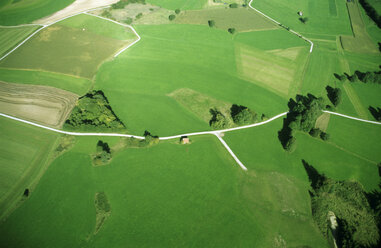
x=300 y=13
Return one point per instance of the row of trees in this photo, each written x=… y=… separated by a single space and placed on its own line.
x=357 y=225
x=302 y=115
x=240 y=115
x=93 y=112
x=371 y=12
x=358 y=76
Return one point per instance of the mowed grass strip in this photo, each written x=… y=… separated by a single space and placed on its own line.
x=24 y=151
x=70 y=83
x=361 y=42
x=26 y=11
x=64 y=50
x=242 y=19
x=10 y=37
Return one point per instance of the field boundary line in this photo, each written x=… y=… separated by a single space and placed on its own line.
x=290 y=30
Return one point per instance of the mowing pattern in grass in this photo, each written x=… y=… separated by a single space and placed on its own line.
x=26 y=11
x=10 y=37
x=66 y=82
x=73 y=51
x=23 y=157
x=45 y=105
x=241 y=19
x=179 y=4
x=361 y=42
x=164 y=190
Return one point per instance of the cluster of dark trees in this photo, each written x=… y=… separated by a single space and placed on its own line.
x=172 y=16
x=354 y=210
x=122 y=3
x=302 y=115
x=103 y=154
x=93 y=111
x=371 y=12
x=334 y=95
x=316 y=132
x=138 y=143
x=240 y=115
x=376 y=112
x=365 y=77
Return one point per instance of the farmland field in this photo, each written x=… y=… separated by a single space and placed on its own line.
x=25 y=11
x=232 y=186
x=10 y=37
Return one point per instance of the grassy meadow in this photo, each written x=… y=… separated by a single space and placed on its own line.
x=179 y=4
x=10 y=37
x=24 y=153
x=179 y=185
x=14 y=12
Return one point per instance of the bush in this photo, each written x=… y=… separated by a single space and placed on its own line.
x=290 y=145
x=334 y=95
x=242 y=115
x=231 y=30
x=138 y=16
x=303 y=19
x=218 y=120
x=211 y=23
x=233 y=5
x=324 y=136
x=177 y=11
x=128 y=20
x=315 y=132
x=171 y=17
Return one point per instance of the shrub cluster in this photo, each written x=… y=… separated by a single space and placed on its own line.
x=93 y=111
x=365 y=77
x=334 y=95
x=218 y=120
x=242 y=115
x=172 y=17
x=122 y=3
x=371 y=12
x=302 y=116
x=103 y=154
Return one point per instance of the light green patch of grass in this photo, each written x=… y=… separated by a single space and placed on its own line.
x=279 y=71
x=196 y=190
x=171 y=57
x=64 y=50
x=24 y=153
x=242 y=19
x=320 y=19
x=70 y=83
x=270 y=39
x=179 y=4
x=322 y=122
x=360 y=42
x=99 y=26
x=10 y=37
x=26 y=11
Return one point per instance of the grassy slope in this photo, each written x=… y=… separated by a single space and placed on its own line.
x=10 y=37
x=194 y=194
x=66 y=82
x=179 y=4
x=336 y=158
x=320 y=19
x=23 y=156
x=27 y=11
x=99 y=26
x=179 y=56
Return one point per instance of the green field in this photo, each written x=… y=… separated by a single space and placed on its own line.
x=10 y=37
x=322 y=19
x=169 y=184
x=242 y=19
x=24 y=153
x=72 y=48
x=25 y=11
x=76 y=85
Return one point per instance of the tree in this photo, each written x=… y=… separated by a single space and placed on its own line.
x=290 y=145
x=171 y=17
x=211 y=23
x=242 y=115
x=26 y=193
x=218 y=120
x=303 y=19
x=231 y=30
x=324 y=136
x=233 y=5
x=315 y=132
x=334 y=95
x=177 y=11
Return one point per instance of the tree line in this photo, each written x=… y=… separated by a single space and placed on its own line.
x=371 y=12
x=240 y=115
x=358 y=76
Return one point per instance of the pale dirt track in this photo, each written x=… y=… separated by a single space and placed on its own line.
x=77 y=7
